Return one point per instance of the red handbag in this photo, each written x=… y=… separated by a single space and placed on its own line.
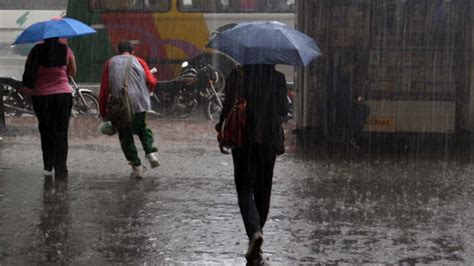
x=233 y=131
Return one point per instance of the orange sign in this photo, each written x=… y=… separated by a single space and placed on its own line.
x=380 y=123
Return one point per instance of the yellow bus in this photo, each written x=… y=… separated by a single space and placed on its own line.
x=166 y=32
x=413 y=65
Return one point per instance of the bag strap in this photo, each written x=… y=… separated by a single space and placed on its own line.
x=238 y=88
x=127 y=73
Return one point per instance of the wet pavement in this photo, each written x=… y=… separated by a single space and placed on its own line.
x=364 y=209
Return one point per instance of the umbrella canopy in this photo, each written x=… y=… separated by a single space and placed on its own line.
x=266 y=42
x=62 y=28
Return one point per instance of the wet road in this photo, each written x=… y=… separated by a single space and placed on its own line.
x=367 y=209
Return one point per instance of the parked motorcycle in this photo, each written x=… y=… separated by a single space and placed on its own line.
x=291 y=98
x=17 y=103
x=193 y=88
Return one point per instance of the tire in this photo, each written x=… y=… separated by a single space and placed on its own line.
x=222 y=63
x=89 y=108
x=220 y=84
x=212 y=109
x=156 y=105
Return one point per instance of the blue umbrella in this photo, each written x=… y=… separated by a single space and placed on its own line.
x=62 y=28
x=266 y=42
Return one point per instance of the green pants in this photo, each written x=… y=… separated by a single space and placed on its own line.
x=145 y=135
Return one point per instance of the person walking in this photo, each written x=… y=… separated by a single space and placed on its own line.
x=47 y=69
x=141 y=83
x=349 y=110
x=265 y=91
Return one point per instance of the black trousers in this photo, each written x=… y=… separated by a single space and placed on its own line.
x=350 y=120
x=253 y=173
x=53 y=113
x=360 y=113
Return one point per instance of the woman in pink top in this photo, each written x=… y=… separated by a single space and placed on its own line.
x=47 y=68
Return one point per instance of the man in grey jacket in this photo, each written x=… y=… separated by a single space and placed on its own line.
x=141 y=83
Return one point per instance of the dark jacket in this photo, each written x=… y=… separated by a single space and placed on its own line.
x=265 y=90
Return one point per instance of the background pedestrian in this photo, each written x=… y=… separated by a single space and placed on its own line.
x=347 y=110
x=141 y=83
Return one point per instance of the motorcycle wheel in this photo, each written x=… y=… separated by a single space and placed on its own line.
x=88 y=107
x=184 y=108
x=11 y=98
x=212 y=110
x=155 y=104
x=220 y=83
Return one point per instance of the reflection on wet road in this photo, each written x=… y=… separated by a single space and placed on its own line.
x=364 y=210
x=383 y=211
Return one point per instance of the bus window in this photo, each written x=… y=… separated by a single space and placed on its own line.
x=129 y=5
x=239 y=6
x=112 y=5
x=279 y=6
x=35 y=5
x=244 y=4
x=185 y=5
x=224 y=4
x=198 y=5
x=157 y=5
x=218 y=6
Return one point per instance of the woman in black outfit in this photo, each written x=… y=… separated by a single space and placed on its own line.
x=265 y=90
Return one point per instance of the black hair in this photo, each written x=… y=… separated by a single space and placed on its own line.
x=125 y=46
x=51 y=53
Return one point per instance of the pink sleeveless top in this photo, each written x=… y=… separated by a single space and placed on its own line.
x=53 y=80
